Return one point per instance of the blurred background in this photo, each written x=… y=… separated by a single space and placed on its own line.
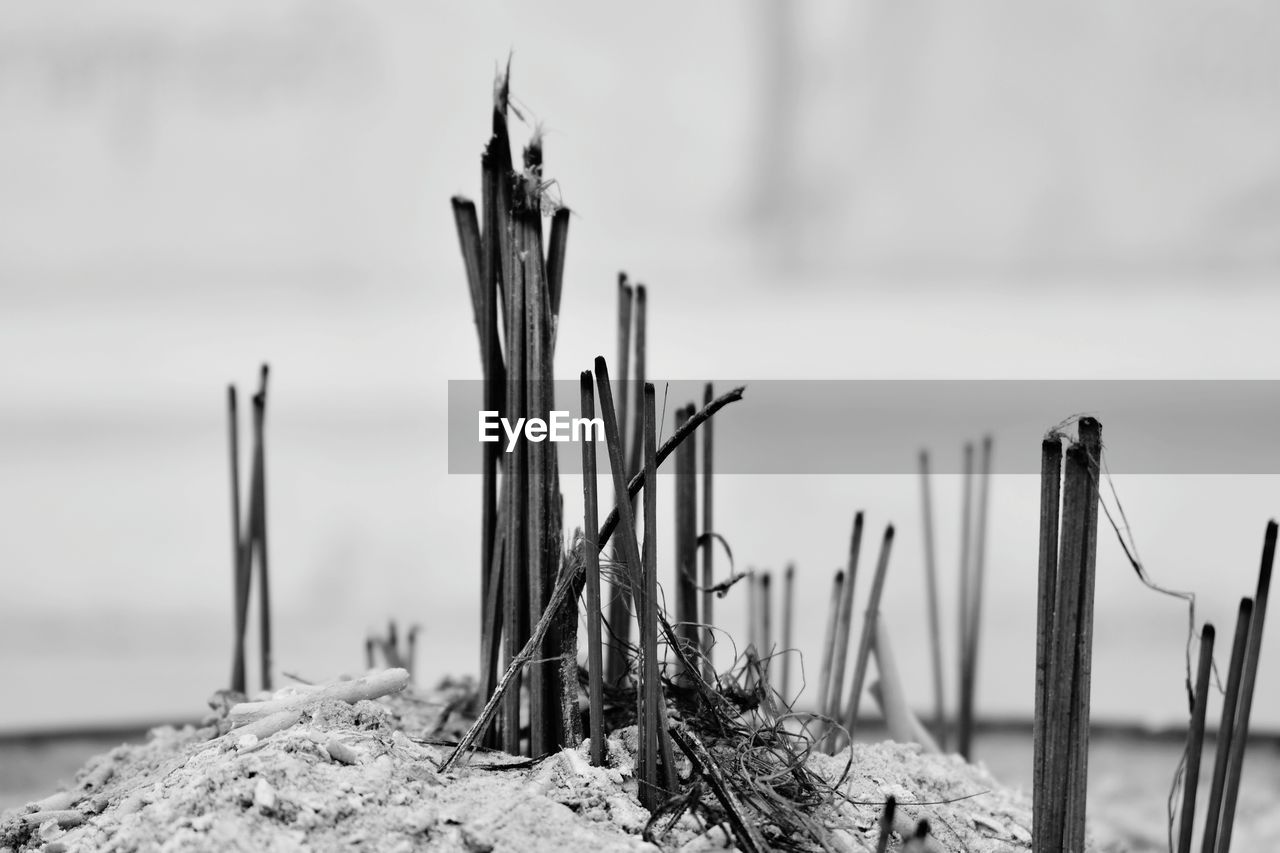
x=817 y=191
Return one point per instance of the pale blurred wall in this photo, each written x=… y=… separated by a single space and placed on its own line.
x=926 y=191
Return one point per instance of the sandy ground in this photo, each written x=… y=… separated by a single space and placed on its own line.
x=366 y=776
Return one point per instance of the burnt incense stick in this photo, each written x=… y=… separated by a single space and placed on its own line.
x=1050 y=493
x=1226 y=728
x=829 y=641
x=259 y=531
x=468 y=225
x=651 y=788
x=630 y=547
x=963 y=721
x=788 y=603
x=844 y=629
x=559 y=243
x=931 y=602
x=974 y=619
x=708 y=549
x=595 y=657
x=766 y=624
x=753 y=609
x=625 y=301
x=639 y=314
x=1249 y=676
x=620 y=596
x=516 y=586
x=868 y=634
x=1195 y=740
x=528 y=243
x=686 y=538
x=886 y=823
x=495 y=196
x=239 y=584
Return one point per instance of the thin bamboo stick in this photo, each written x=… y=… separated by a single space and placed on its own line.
x=1240 y=738
x=1195 y=740
x=686 y=538
x=1226 y=728
x=639 y=313
x=766 y=624
x=468 y=225
x=650 y=686
x=494 y=192
x=516 y=586
x=974 y=618
x=753 y=609
x=708 y=549
x=260 y=528
x=1050 y=494
x=931 y=590
x=558 y=245
x=829 y=641
x=541 y=698
x=844 y=627
x=963 y=720
x=623 y=510
x=788 y=604
x=626 y=298
x=620 y=595
x=595 y=657
x=1090 y=442
x=868 y=634
x=239 y=584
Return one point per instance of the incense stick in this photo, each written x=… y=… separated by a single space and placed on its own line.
x=886 y=823
x=844 y=625
x=963 y=721
x=647 y=606
x=686 y=538
x=1240 y=737
x=868 y=634
x=829 y=640
x=239 y=584
x=620 y=595
x=468 y=225
x=595 y=658
x=259 y=531
x=974 y=619
x=1050 y=493
x=931 y=591
x=637 y=447
x=708 y=550
x=1195 y=740
x=788 y=602
x=558 y=245
x=1222 y=749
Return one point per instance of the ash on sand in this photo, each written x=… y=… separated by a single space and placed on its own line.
x=365 y=776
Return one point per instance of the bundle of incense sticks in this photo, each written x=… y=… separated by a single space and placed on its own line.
x=249 y=538
x=520 y=551
x=1064 y=636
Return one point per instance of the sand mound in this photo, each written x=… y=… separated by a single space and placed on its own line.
x=365 y=777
